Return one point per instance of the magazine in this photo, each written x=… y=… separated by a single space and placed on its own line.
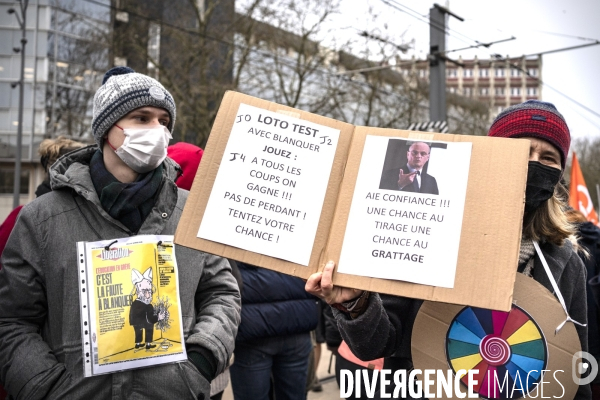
x=130 y=313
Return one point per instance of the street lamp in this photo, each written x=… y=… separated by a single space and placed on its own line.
x=21 y=19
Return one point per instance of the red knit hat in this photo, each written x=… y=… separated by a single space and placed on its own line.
x=188 y=157
x=534 y=118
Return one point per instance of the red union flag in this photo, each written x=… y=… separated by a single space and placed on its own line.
x=579 y=197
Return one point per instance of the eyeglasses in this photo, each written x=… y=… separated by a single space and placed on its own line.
x=416 y=153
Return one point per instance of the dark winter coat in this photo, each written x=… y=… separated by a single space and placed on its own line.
x=590 y=240
x=274 y=304
x=40 y=326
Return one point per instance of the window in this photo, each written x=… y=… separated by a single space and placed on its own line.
x=422 y=73
x=484 y=91
x=468 y=91
x=531 y=91
x=153 y=49
x=499 y=72
x=515 y=91
x=484 y=72
x=499 y=91
x=468 y=73
x=452 y=73
x=515 y=72
x=532 y=71
x=7 y=181
x=452 y=90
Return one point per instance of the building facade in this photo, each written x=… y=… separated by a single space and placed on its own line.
x=199 y=51
x=498 y=83
x=65 y=58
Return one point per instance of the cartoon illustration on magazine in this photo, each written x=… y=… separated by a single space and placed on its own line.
x=143 y=315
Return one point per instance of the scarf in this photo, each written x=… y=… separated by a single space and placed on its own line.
x=128 y=203
x=526 y=253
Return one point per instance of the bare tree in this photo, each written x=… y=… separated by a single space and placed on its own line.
x=286 y=63
x=467 y=116
x=79 y=55
x=278 y=50
x=188 y=45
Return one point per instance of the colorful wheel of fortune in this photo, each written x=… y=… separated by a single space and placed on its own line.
x=508 y=349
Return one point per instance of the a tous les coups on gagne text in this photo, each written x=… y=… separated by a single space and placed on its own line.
x=399 y=224
x=273 y=174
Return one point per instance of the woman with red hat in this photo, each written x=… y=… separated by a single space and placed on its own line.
x=376 y=325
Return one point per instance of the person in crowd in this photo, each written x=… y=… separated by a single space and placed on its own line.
x=345 y=359
x=589 y=242
x=49 y=151
x=318 y=338
x=411 y=177
x=188 y=156
x=273 y=340
x=377 y=325
x=122 y=186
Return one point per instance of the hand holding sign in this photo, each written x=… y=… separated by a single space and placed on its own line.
x=320 y=284
x=406 y=179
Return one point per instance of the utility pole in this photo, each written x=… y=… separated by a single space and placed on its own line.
x=22 y=23
x=437 y=61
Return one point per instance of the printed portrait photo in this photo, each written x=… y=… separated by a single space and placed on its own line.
x=406 y=167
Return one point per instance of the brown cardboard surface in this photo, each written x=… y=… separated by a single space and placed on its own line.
x=491 y=229
x=433 y=321
x=207 y=172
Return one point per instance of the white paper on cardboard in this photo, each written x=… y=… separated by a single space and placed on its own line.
x=406 y=235
x=268 y=194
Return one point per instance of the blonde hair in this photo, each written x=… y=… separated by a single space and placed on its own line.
x=575 y=216
x=549 y=221
x=51 y=149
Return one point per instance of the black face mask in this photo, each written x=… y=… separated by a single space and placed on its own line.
x=541 y=181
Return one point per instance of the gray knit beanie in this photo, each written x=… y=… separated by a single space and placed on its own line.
x=122 y=91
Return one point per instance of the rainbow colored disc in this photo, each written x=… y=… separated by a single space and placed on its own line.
x=507 y=348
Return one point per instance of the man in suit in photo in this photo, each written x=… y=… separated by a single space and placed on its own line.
x=410 y=177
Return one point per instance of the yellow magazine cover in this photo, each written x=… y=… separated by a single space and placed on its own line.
x=130 y=304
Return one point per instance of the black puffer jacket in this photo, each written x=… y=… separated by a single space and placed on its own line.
x=274 y=304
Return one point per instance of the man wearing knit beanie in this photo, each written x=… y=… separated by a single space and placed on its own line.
x=119 y=187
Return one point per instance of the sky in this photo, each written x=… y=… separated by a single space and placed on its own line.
x=538 y=25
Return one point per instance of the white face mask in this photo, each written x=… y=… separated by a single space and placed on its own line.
x=143 y=149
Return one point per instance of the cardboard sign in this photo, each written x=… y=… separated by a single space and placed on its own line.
x=269 y=190
x=509 y=350
x=481 y=192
